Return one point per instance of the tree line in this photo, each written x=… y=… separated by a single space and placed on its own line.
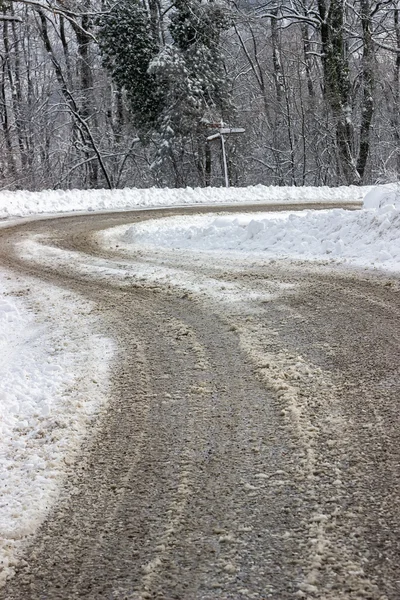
x=98 y=93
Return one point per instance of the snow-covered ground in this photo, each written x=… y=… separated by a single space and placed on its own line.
x=369 y=238
x=53 y=379
x=53 y=372
x=23 y=204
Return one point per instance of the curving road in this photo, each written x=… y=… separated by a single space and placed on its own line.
x=251 y=446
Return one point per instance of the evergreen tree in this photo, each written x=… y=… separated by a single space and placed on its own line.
x=175 y=91
x=191 y=74
x=196 y=30
x=127 y=46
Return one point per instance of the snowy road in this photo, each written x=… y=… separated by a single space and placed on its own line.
x=251 y=444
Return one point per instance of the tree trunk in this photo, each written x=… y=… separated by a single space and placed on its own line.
x=396 y=108
x=88 y=107
x=337 y=87
x=79 y=118
x=367 y=106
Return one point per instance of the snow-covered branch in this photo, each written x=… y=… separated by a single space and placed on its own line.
x=10 y=18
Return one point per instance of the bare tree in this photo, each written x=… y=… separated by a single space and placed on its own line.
x=316 y=84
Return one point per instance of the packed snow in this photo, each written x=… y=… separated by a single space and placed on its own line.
x=53 y=380
x=369 y=237
x=24 y=204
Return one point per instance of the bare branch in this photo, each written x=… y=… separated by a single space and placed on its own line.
x=71 y=16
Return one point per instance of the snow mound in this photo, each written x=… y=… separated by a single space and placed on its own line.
x=364 y=238
x=23 y=203
x=383 y=195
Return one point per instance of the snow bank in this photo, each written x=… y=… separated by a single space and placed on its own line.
x=22 y=203
x=365 y=238
x=383 y=195
x=46 y=401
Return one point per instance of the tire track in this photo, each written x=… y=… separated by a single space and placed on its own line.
x=243 y=443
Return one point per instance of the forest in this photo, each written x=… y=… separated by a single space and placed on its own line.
x=105 y=94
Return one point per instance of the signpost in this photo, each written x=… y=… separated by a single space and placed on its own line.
x=223 y=131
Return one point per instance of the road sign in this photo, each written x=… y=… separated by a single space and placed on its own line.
x=231 y=130
x=216 y=136
x=222 y=132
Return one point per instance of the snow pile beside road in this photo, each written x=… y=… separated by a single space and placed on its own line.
x=364 y=238
x=383 y=195
x=53 y=377
x=23 y=203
